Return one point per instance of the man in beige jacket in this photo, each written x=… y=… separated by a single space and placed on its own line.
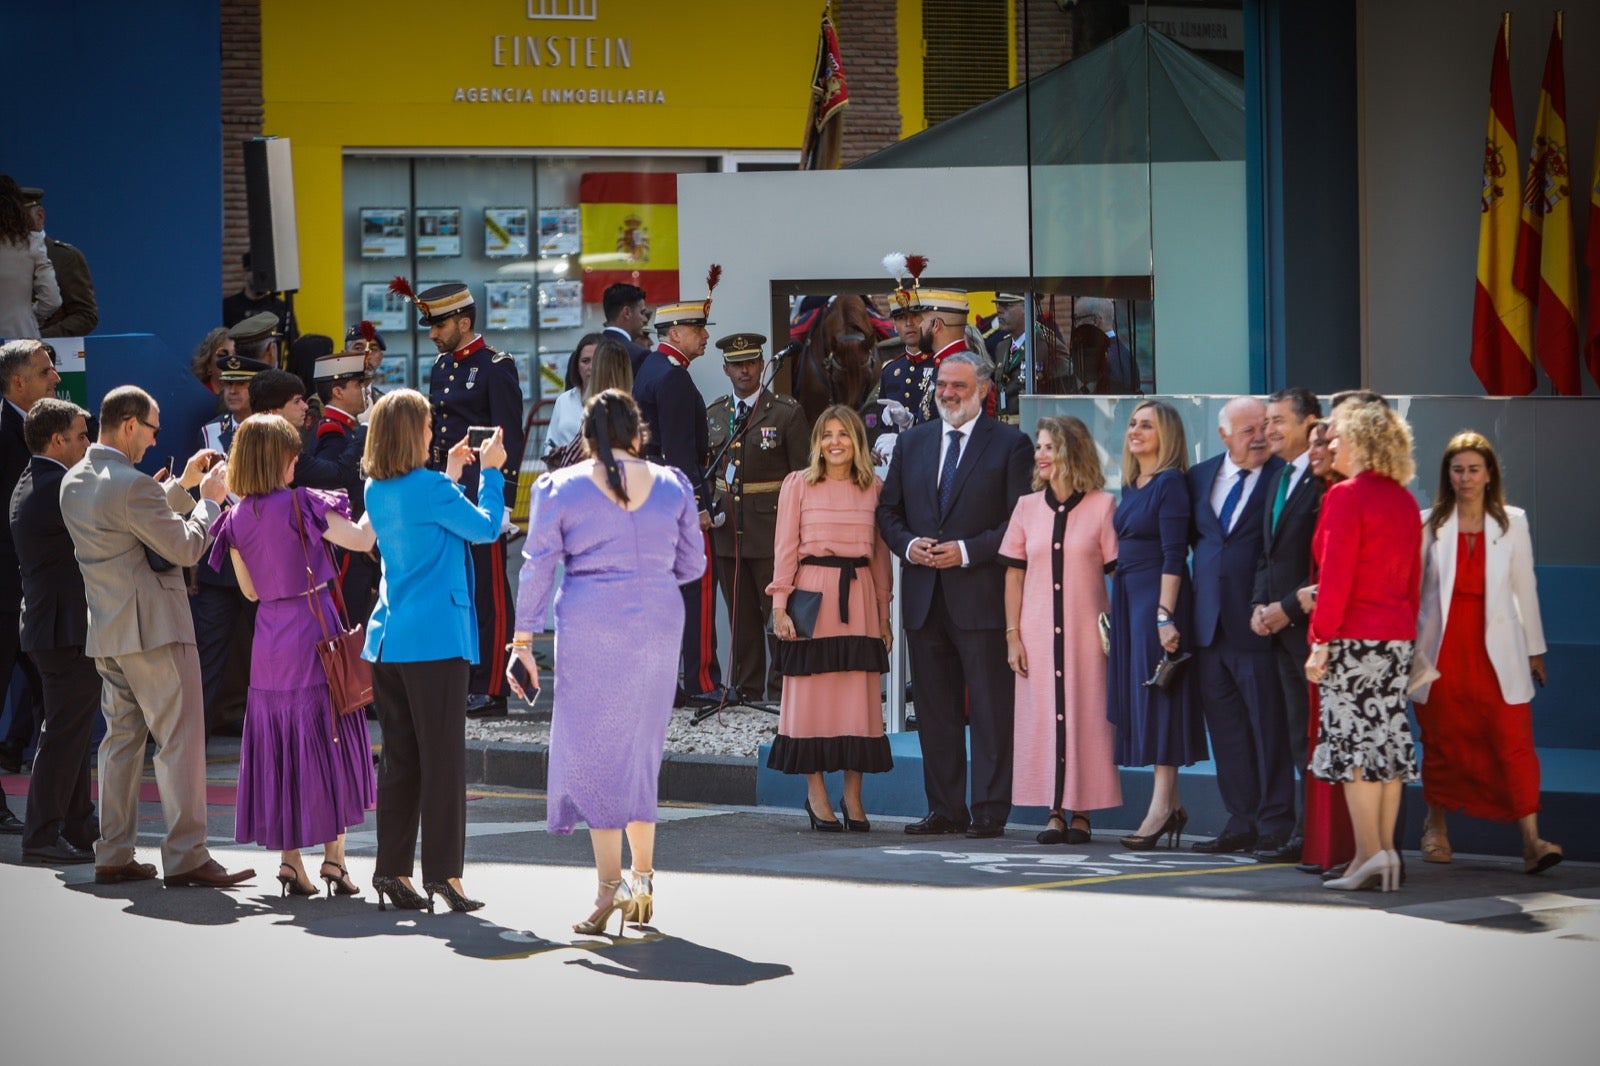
x=131 y=536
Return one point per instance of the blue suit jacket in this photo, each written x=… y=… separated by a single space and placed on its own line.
x=1224 y=564
x=424 y=524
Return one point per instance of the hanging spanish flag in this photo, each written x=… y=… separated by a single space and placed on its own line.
x=1547 y=267
x=823 y=146
x=1502 y=318
x=1591 y=256
x=629 y=227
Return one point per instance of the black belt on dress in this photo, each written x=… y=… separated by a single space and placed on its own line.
x=847 y=573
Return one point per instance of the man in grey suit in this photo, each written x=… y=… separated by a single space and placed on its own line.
x=131 y=535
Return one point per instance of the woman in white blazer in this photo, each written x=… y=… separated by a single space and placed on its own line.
x=1480 y=648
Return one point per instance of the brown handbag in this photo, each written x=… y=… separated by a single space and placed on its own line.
x=339 y=652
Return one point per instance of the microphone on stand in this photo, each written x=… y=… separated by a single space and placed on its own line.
x=793 y=348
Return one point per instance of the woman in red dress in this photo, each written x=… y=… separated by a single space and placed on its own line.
x=1480 y=648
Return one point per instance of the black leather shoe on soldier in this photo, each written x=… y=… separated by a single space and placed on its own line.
x=1226 y=844
x=486 y=706
x=934 y=824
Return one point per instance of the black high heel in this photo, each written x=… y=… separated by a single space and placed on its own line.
x=855 y=825
x=291 y=882
x=400 y=894
x=1172 y=829
x=1054 y=836
x=830 y=826
x=341 y=884
x=456 y=900
x=1086 y=834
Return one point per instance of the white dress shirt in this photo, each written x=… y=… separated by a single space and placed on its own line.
x=1226 y=474
x=944 y=449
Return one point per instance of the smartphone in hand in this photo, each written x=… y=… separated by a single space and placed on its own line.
x=476 y=435
x=524 y=680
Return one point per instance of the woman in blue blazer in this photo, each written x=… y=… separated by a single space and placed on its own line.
x=422 y=640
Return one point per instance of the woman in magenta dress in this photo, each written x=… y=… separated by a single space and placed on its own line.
x=305 y=773
x=1059 y=546
x=628 y=535
x=1480 y=630
x=827 y=541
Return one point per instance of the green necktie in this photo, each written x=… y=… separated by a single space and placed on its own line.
x=1283 y=494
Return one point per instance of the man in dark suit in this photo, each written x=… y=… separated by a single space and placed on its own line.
x=671 y=405
x=27 y=375
x=626 y=316
x=1294 y=499
x=61 y=826
x=944 y=508
x=1234 y=668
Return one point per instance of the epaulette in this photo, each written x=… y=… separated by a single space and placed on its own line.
x=499 y=356
x=785 y=399
x=720 y=400
x=328 y=426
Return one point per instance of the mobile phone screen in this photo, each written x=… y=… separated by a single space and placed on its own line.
x=476 y=435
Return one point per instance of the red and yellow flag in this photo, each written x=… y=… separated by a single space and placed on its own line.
x=1592 y=257
x=1547 y=266
x=1502 y=318
x=822 y=148
x=629 y=227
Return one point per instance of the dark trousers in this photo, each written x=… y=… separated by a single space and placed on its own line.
x=744 y=589
x=25 y=709
x=58 y=794
x=946 y=661
x=1290 y=649
x=701 y=671
x=492 y=595
x=359 y=585
x=422 y=710
x=1243 y=704
x=215 y=610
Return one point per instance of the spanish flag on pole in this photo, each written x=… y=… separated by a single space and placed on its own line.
x=1502 y=318
x=1547 y=266
x=629 y=226
x=1591 y=256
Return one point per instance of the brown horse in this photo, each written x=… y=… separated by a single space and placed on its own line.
x=839 y=360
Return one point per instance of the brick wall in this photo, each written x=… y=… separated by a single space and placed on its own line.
x=241 y=120
x=867 y=46
x=1044 y=37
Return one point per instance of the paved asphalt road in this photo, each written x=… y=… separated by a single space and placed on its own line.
x=776 y=944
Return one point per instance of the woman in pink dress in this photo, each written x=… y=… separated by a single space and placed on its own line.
x=827 y=541
x=1059 y=546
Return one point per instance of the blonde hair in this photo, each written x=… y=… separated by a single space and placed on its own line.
x=1380 y=438
x=1494 y=494
x=1076 y=460
x=394 y=435
x=1174 y=451
x=861 y=465
x=261 y=446
x=609 y=368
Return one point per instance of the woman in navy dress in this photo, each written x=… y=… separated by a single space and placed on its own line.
x=1149 y=614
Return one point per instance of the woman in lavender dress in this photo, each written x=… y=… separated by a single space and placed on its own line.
x=628 y=535
x=305 y=774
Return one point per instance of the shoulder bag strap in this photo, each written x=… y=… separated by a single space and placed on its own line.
x=305 y=550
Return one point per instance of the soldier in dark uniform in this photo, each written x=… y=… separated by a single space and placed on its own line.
x=79 y=313
x=341 y=383
x=906 y=381
x=673 y=408
x=364 y=339
x=771 y=439
x=223 y=619
x=1007 y=345
x=472 y=384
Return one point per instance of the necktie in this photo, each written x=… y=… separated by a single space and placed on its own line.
x=740 y=413
x=1231 y=503
x=947 y=473
x=1283 y=494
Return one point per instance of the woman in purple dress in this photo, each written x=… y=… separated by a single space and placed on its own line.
x=305 y=773
x=628 y=535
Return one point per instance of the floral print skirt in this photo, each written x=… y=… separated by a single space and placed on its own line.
x=1364 y=713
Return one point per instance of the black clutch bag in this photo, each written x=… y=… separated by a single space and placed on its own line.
x=1167 y=671
x=803 y=609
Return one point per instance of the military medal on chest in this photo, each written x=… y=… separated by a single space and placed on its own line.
x=472 y=376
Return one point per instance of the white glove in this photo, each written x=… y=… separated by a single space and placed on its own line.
x=896 y=413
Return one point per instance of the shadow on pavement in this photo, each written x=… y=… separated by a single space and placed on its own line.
x=669 y=958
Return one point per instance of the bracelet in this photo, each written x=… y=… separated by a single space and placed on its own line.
x=1011 y=629
x=515 y=644
x=1164 y=622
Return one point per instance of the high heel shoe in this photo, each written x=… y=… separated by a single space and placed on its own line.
x=1086 y=834
x=1172 y=829
x=855 y=825
x=455 y=899
x=291 y=883
x=340 y=883
x=1052 y=836
x=640 y=907
x=595 y=924
x=400 y=894
x=832 y=825
x=1384 y=867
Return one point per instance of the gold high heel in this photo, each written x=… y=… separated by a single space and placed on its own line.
x=595 y=924
x=641 y=906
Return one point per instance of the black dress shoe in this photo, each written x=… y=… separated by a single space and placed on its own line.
x=61 y=853
x=985 y=828
x=479 y=706
x=1225 y=844
x=10 y=824
x=1270 y=849
x=934 y=824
